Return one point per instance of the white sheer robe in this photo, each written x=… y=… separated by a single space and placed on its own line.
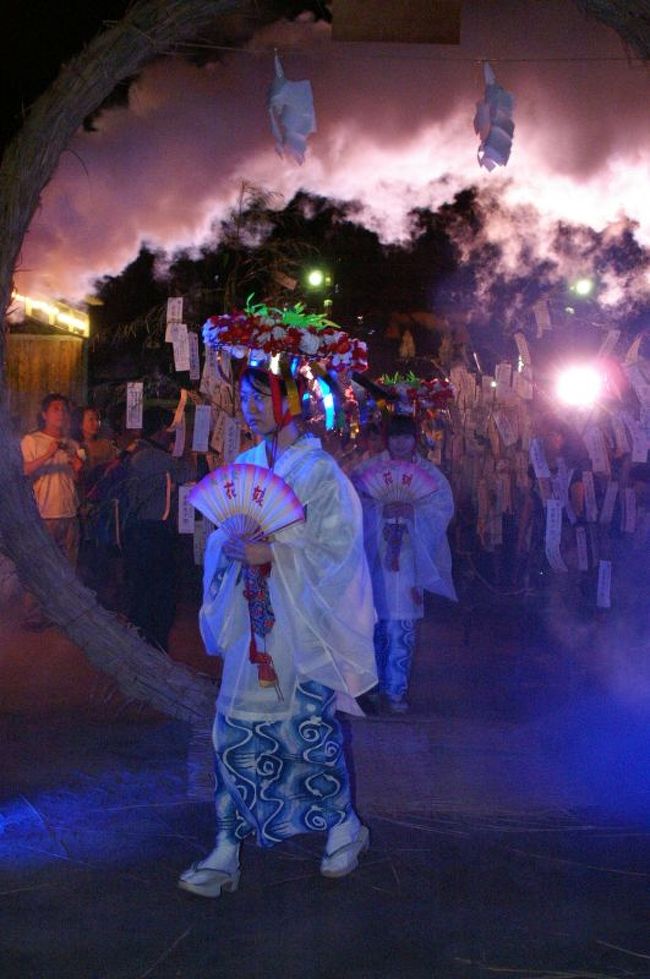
x=320 y=590
x=425 y=556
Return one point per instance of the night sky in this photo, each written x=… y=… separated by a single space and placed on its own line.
x=394 y=131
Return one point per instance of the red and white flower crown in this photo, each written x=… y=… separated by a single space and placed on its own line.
x=260 y=332
x=416 y=393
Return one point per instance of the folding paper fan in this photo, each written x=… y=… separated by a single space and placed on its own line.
x=252 y=502
x=393 y=481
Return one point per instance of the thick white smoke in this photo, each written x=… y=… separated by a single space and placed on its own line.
x=394 y=132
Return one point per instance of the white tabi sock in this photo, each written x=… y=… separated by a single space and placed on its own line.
x=343 y=834
x=225 y=856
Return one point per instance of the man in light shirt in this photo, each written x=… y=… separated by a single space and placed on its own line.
x=53 y=463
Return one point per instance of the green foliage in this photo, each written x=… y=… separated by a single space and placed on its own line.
x=393 y=379
x=295 y=316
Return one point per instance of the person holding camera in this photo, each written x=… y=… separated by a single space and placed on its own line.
x=53 y=462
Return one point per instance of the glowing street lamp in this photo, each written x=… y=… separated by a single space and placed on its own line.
x=316 y=278
x=583 y=287
x=579 y=386
x=320 y=281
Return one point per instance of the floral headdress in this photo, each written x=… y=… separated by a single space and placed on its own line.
x=415 y=394
x=258 y=332
x=287 y=342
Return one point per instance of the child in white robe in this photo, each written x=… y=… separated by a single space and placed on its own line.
x=408 y=553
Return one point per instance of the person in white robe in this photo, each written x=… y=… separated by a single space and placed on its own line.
x=280 y=766
x=408 y=553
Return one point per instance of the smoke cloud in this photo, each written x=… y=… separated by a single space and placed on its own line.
x=394 y=132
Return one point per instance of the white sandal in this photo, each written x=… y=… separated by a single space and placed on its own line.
x=207 y=882
x=346 y=859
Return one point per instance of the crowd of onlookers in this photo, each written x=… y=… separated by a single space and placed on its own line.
x=106 y=499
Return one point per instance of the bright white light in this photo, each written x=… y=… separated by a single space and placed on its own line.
x=316 y=278
x=583 y=287
x=579 y=386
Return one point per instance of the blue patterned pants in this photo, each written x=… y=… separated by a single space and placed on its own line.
x=279 y=778
x=394 y=646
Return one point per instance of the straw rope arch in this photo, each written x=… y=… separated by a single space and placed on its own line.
x=142 y=672
x=149 y=28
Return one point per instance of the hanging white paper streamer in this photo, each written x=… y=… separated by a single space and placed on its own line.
x=538 y=459
x=181 y=346
x=291 y=107
x=186 y=512
x=201 y=434
x=231 y=438
x=561 y=482
x=503 y=503
x=639 y=381
x=522 y=383
x=195 y=363
x=644 y=420
x=521 y=464
x=628 y=499
x=603 y=594
x=179 y=438
x=620 y=434
x=503 y=378
x=595 y=443
x=542 y=315
x=553 y=534
x=493 y=122
x=465 y=385
x=591 y=507
x=134 y=396
x=607 y=510
x=175 y=309
x=524 y=425
x=216 y=442
x=493 y=436
x=583 y=553
x=506 y=428
x=209 y=377
x=522 y=348
x=639 y=438
x=174 y=315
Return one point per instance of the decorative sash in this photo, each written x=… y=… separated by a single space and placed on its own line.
x=393 y=535
x=262 y=620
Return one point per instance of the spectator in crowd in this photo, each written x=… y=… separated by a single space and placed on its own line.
x=149 y=530
x=97 y=449
x=53 y=464
x=97 y=452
